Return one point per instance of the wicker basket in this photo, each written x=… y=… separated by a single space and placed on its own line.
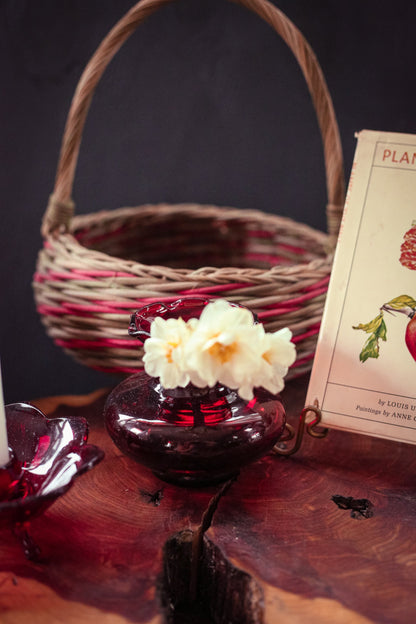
x=94 y=270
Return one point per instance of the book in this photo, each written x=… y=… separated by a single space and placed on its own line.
x=364 y=372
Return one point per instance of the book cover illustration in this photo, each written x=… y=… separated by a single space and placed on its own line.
x=364 y=372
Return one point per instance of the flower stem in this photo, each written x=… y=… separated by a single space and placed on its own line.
x=199 y=417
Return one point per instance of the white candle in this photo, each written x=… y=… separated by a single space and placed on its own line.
x=4 y=446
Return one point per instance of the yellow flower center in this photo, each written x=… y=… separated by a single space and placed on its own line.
x=268 y=357
x=169 y=348
x=222 y=352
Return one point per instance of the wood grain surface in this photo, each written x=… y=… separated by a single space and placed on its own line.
x=102 y=542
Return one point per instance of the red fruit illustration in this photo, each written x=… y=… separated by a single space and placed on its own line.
x=408 y=248
x=410 y=336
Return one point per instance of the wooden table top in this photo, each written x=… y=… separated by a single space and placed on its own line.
x=310 y=560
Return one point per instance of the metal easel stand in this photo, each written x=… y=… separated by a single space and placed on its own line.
x=281 y=447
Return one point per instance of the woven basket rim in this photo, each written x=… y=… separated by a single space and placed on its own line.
x=65 y=243
x=223 y=212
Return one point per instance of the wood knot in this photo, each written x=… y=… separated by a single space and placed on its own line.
x=360 y=507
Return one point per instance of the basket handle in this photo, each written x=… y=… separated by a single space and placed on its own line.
x=61 y=207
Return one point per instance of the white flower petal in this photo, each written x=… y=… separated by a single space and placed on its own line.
x=246 y=392
x=221 y=313
x=197 y=380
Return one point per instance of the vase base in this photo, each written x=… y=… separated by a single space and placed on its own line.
x=192 y=479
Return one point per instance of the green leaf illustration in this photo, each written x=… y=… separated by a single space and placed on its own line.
x=372 y=326
x=402 y=302
x=378 y=331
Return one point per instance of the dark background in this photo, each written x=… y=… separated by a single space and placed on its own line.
x=204 y=104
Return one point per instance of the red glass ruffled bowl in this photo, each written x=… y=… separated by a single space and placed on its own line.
x=190 y=436
x=46 y=456
x=185 y=308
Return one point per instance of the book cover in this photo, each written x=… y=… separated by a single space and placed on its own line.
x=364 y=371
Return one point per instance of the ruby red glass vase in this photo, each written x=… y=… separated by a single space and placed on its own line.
x=189 y=436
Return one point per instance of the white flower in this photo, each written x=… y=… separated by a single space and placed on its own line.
x=164 y=351
x=222 y=346
x=277 y=353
